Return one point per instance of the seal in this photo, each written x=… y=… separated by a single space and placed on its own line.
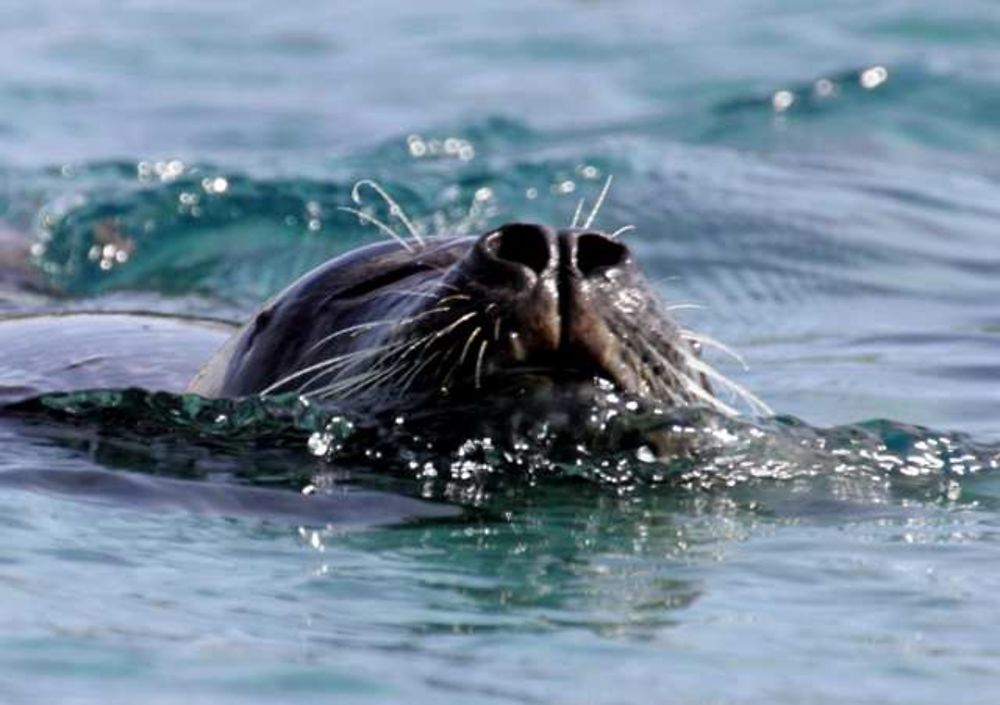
x=519 y=308
x=68 y=352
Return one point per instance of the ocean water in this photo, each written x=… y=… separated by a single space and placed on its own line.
x=821 y=179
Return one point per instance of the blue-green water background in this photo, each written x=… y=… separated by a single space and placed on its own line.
x=848 y=246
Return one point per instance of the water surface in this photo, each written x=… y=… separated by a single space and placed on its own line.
x=820 y=178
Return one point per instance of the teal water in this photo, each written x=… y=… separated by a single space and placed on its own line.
x=821 y=178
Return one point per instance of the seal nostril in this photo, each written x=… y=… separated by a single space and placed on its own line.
x=527 y=245
x=596 y=252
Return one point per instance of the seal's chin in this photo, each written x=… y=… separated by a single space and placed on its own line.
x=579 y=379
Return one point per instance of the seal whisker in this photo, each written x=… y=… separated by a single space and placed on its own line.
x=437 y=335
x=455 y=324
x=577 y=214
x=745 y=395
x=424 y=342
x=648 y=348
x=409 y=292
x=479 y=363
x=455 y=297
x=366 y=379
x=399 y=323
x=331 y=362
x=356 y=329
x=444 y=358
x=713 y=343
x=621 y=231
x=418 y=364
x=468 y=343
x=394 y=208
x=454 y=348
x=599 y=202
x=407 y=381
x=684 y=307
x=378 y=224
x=692 y=386
x=330 y=365
x=339 y=360
x=351 y=385
x=712 y=401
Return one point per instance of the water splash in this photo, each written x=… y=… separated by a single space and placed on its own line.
x=607 y=443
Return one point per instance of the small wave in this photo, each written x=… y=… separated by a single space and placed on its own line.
x=512 y=445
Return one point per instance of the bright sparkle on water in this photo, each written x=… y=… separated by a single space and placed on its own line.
x=874 y=77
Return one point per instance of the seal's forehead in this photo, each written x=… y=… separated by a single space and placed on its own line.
x=382 y=261
x=564 y=232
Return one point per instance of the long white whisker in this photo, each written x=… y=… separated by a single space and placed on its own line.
x=622 y=230
x=599 y=202
x=700 y=366
x=374 y=324
x=352 y=329
x=713 y=343
x=468 y=344
x=409 y=292
x=378 y=224
x=690 y=386
x=693 y=388
x=455 y=324
x=408 y=376
x=455 y=297
x=407 y=381
x=342 y=386
x=331 y=362
x=671 y=368
x=330 y=365
x=577 y=214
x=451 y=371
x=706 y=397
x=394 y=208
x=479 y=362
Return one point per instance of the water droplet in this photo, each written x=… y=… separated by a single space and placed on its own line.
x=782 y=101
x=217 y=185
x=873 y=77
x=319 y=444
x=824 y=88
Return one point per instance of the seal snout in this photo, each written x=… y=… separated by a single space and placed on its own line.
x=591 y=254
x=522 y=245
x=554 y=286
x=526 y=247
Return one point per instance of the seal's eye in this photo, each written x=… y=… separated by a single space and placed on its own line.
x=381 y=280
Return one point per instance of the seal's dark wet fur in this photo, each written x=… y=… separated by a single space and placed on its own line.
x=521 y=306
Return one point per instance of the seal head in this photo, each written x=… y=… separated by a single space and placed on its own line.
x=520 y=307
